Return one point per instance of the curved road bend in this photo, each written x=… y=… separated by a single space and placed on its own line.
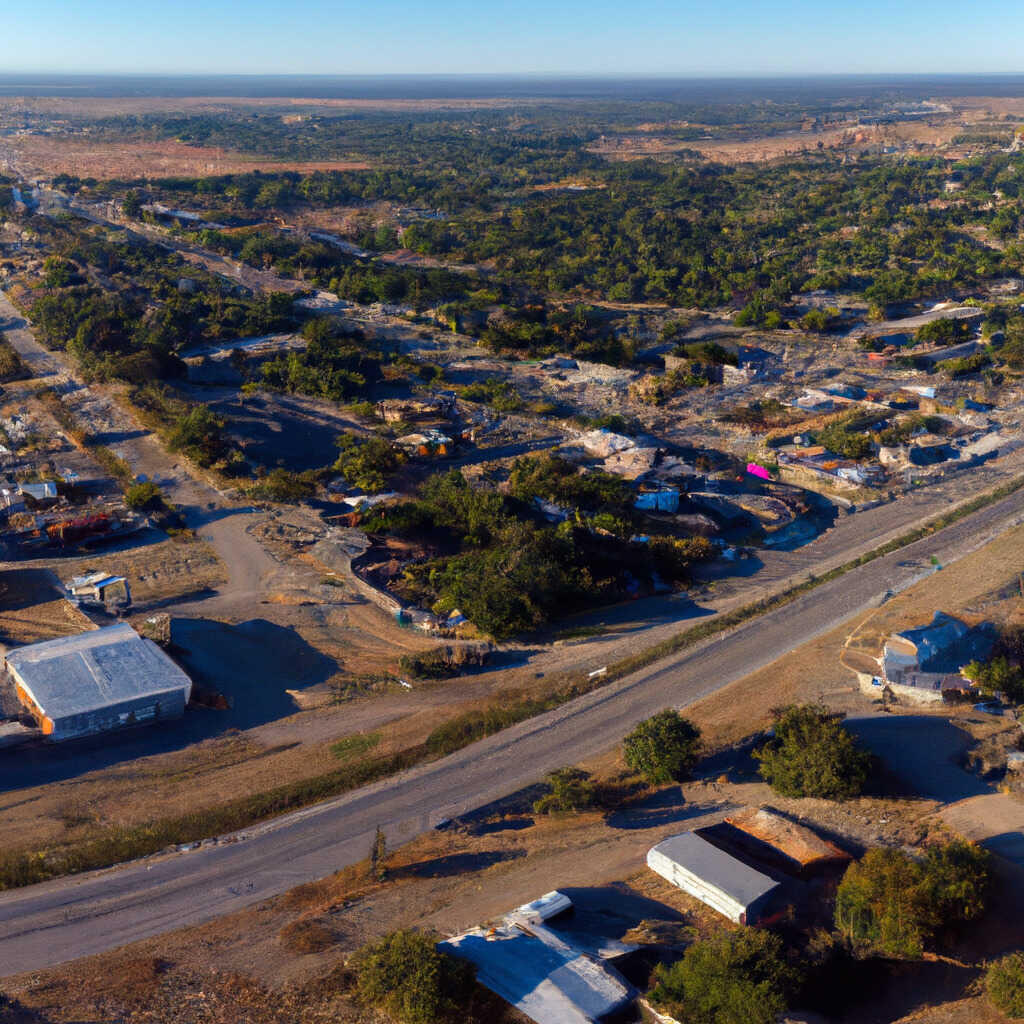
x=81 y=915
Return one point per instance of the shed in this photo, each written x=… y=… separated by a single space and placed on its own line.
x=713 y=876
x=97 y=681
x=802 y=848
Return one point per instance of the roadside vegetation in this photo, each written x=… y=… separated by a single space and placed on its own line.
x=811 y=754
x=663 y=749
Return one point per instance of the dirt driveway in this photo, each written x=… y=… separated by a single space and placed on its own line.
x=924 y=752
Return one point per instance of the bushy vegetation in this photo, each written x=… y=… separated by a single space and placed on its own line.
x=405 y=975
x=965 y=365
x=943 y=332
x=115 y=305
x=570 y=790
x=553 y=478
x=1004 y=983
x=890 y=903
x=1003 y=672
x=144 y=497
x=739 y=977
x=511 y=571
x=200 y=435
x=283 y=486
x=335 y=364
x=664 y=748
x=847 y=435
x=445 y=662
x=11 y=365
x=811 y=754
x=499 y=394
x=367 y=462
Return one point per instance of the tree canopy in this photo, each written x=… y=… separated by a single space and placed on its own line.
x=739 y=977
x=663 y=748
x=404 y=974
x=811 y=754
x=894 y=904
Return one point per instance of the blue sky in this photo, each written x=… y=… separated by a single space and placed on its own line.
x=728 y=37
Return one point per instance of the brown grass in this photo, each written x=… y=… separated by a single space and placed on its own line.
x=307 y=935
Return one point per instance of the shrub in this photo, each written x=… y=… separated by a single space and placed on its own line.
x=367 y=463
x=445 y=662
x=663 y=748
x=405 y=975
x=280 y=485
x=570 y=791
x=811 y=754
x=1004 y=983
x=739 y=977
x=144 y=497
x=200 y=435
x=307 y=935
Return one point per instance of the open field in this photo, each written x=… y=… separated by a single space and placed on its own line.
x=85 y=158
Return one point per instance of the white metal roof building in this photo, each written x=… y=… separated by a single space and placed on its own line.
x=538 y=971
x=96 y=681
x=712 y=876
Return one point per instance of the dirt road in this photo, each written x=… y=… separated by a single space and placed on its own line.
x=218 y=519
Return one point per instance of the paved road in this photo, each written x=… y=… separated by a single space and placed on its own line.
x=74 y=917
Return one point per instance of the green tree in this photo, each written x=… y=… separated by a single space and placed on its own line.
x=663 y=748
x=957 y=876
x=131 y=205
x=405 y=975
x=144 y=497
x=1004 y=983
x=367 y=463
x=739 y=977
x=998 y=675
x=200 y=435
x=892 y=903
x=570 y=790
x=882 y=904
x=811 y=754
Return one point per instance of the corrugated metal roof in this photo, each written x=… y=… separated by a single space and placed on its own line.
x=716 y=867
x=77 y=674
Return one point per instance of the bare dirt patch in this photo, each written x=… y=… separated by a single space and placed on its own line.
x=89 y=158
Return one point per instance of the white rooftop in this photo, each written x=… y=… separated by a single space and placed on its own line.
x=76 y=674
x=716 y=867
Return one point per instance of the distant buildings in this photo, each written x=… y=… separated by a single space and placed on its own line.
x=97 y=681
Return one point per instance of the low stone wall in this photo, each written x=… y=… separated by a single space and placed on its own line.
x=343 y=550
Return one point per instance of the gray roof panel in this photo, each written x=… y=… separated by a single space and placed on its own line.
x=716 y=867
x=76 y=674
